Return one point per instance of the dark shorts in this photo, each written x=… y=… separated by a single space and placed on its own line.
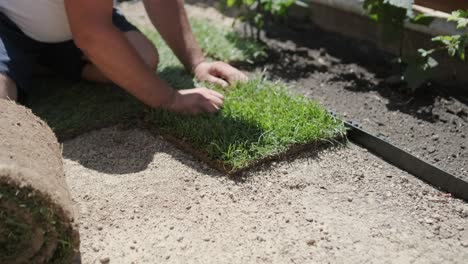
x=20 y=55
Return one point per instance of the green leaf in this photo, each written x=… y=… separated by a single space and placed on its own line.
x=391 y=17
x=455 y=44
x=230 y=3
x=460 y=17
x=249 y=2
x=418 y=69
x=443 y=39
x=258 y=19
x=422 y=19
x=425 y=53
x=431 y=63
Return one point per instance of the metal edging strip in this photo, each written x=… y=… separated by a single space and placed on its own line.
x=407 y=162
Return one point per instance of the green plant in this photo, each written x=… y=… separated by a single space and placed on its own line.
x=455 y=44
x=256 y=12
x=393 y=14
x=420 y=67
x=222 y=43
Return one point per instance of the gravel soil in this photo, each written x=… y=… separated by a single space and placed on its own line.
x=144 y=201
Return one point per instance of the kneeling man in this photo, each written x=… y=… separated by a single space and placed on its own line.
x=91 y=40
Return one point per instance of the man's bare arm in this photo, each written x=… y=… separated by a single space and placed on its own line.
x=108 y=49
x=170 y=19
x=94 y=33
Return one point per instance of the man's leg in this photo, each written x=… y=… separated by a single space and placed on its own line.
x=143 y=46
x=7 y=88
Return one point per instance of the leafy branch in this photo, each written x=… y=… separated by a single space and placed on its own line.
x=257 y=12
x=393 y=14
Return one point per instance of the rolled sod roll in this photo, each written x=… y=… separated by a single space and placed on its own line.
x=37 y=217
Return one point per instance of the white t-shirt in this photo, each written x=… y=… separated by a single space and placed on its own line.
x=42 y=20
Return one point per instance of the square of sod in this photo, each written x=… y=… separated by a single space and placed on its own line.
x=73 y=108
x=260 y=120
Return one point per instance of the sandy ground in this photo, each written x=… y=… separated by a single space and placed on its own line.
x=143 y=201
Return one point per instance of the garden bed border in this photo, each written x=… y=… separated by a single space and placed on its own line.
x=408 y=162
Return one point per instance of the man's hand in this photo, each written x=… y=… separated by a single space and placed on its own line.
x=219 y=73
x=195 y=101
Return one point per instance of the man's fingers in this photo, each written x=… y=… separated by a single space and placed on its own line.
x=228 y=73
x=218 y=81
x=243 y=77
x=216 y=94
x=210 y=107
x=217 y=101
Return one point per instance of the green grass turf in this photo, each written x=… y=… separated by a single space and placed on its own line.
x=260 y=118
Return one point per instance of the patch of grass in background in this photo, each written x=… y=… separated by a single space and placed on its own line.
x=223 y=44
x=260 y=119
x=217 y=42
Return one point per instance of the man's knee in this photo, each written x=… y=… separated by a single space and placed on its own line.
x=144 y=47
x=7 y=88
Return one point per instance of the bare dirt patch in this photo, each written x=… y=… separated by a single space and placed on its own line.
x=158 y=204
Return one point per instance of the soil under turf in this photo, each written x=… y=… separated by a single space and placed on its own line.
x=142 y=200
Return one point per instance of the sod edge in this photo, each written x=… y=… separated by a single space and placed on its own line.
x=29 y=217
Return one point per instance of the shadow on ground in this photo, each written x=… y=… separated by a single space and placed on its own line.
x=120 y=151
x=73 y=108
x=420 y=104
